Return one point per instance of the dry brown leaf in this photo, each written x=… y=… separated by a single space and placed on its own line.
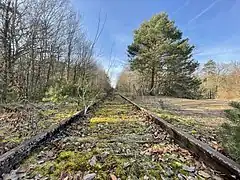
x=113 y=177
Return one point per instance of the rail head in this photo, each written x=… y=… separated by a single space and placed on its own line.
x=200 y=149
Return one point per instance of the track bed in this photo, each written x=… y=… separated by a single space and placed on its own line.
x=115 y=142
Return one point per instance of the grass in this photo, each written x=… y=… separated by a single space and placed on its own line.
x=203 y=104
x=200 y=118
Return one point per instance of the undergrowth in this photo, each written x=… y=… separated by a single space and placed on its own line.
x=230 y=132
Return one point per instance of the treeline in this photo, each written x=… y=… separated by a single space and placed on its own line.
x=221 y=80
x=218 y=81
x=161 y=63
x=44 y=48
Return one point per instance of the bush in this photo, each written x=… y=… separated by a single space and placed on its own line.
x=231 y=131
x=54 y=94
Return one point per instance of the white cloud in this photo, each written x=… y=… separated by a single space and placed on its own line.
x=187 y=2
x=218 y=53
x=203 y=12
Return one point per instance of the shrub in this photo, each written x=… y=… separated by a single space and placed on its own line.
x=55 y=95
x=230 y=131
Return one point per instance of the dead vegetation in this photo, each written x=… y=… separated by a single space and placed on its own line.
x=19 y=122
x=118 y=143
x=200 y=118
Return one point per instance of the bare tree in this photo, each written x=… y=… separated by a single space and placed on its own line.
x=42 y=45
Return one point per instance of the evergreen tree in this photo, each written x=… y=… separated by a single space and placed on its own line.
x=209 y=68
x=231 y=131
x=210 y=80
x=160 y=53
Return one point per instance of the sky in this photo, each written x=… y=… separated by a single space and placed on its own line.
x=213 y=26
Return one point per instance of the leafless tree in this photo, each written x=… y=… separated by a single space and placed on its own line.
x=42 y=44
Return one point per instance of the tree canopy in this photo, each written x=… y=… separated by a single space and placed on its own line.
x=159 y=52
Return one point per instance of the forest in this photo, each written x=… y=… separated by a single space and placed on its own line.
x=45 y=50
x=55 y=90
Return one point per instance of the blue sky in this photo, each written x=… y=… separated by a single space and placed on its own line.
x=213 y=26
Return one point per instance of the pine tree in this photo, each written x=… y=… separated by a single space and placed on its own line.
x=210 y=67
x=210 y=80
x=231 y=131
x=160 y=53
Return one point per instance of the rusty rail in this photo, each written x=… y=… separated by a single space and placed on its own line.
x=198 y=148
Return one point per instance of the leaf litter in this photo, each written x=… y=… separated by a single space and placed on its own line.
x=123 y=146
x=19 y=122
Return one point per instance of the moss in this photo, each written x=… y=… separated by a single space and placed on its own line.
x=193 y=132
x=103 y=120
x=70 y=161
x=112 y=110
x=120 y=171
x=45 y=124
x=174 y=118
x=176 y=165
x=30 y=160
x=45 y=169
x=65 y=114
x=67 y=161
x=48 y=112
x=156 y=171
x=184 y=172
x=102 y=175
x=112 y=119
x=12 y=139
x=65 y=155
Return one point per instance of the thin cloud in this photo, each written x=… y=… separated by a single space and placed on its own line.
x=203 y=12
x=181 y=7
x=122 y=38
x=217 y=51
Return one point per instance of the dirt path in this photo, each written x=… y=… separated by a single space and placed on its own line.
x=117 y=143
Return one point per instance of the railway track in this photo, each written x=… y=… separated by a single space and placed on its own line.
x=118 y=141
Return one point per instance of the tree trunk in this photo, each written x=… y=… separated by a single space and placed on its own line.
x=7 y=56
x=68 y=60
x=151 y=90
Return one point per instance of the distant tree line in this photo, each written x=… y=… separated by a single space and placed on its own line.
x=220 y=80
x=43 y=46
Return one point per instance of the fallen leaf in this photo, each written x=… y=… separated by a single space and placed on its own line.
x=89 y=176
x=204 y=174
x=113 y=177
x=189 y=169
